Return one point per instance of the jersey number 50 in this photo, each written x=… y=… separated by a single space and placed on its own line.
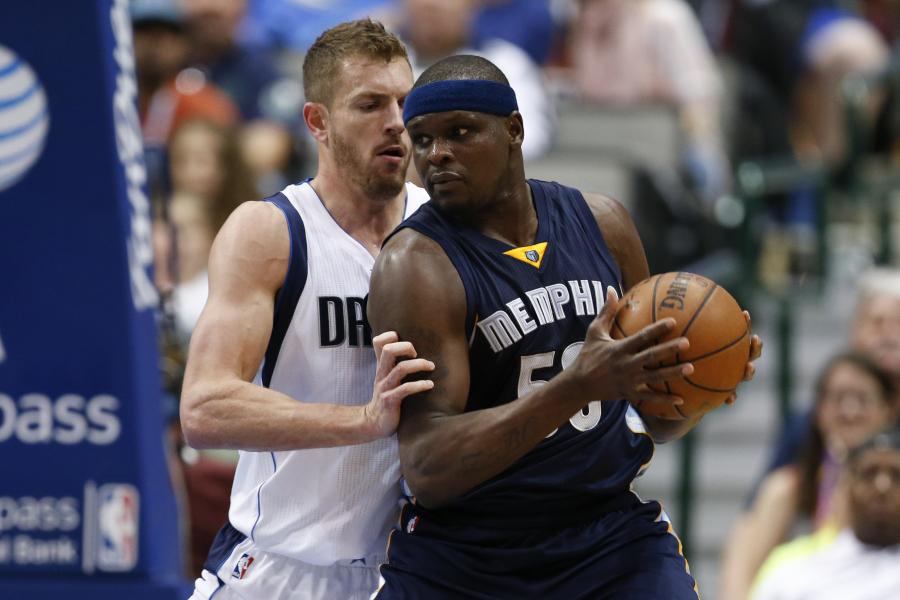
x=586 y=418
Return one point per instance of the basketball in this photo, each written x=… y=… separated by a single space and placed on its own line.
x=710 y=318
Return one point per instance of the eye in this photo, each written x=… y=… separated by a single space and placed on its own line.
x=421 y=140
x=459 y=132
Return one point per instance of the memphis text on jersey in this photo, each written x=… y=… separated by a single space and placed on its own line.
x=548 y=305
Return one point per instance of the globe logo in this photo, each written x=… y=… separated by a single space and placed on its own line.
x=24 y=119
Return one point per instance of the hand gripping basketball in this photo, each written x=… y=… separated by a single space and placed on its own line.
x=609 y=369
x=722 y=346
x=382 y=413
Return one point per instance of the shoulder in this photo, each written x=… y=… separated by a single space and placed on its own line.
x=414 y=279
x=616 y=225
x=408 y=247
x=255 y=243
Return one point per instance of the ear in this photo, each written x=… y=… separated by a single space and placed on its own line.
x=515 y=127
x=315 y=116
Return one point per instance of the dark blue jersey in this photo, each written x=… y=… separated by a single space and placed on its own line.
x=528 y=310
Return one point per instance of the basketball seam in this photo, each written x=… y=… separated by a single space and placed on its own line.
x=722 y=349
x=699 y=309
x=709 y=389
x=653 y=300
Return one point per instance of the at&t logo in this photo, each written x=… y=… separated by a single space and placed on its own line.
x=24 y=119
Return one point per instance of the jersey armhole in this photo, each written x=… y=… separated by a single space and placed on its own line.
x=288 y=295
x=593 y=229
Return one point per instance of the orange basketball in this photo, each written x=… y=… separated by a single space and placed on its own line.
x=710 y=318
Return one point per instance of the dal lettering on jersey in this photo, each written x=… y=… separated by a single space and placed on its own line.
x=343 y=320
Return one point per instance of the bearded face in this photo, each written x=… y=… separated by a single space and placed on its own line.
x=367 y=140
x=364 y=165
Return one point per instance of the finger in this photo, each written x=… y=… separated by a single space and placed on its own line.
x=395 y=397
x=608 y=313
x=648 y=335
x=379 y=341
x=660 y=353
x=664 y=374
x=755 y=347
x=730 y=399
x=390 y=354
x=747 y=317
x=407 y=367
x=749 y=372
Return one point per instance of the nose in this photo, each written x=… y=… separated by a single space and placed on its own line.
x=439 y=152
x=394 y=123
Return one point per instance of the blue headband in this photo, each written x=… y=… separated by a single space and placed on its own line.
x=460 y=94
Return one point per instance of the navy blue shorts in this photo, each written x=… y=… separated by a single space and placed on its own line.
x=627 y=554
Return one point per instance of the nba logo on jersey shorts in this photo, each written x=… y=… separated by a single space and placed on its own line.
x=118 y=521
x=243 y=563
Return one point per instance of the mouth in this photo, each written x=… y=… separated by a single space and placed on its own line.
x=393 y=153
x=443 y=177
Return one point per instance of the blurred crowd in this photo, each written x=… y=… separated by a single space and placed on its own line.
x=221 y=108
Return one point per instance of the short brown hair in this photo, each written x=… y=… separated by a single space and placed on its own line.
x=364 y=37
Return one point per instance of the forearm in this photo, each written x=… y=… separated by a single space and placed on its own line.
x=444 y=456
x=245 y=416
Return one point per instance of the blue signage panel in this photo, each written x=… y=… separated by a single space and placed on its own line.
x=85 y=495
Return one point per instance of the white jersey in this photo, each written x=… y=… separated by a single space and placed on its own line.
x=846 y=569
x=324 y=505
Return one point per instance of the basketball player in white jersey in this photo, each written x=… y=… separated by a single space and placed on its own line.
x=281 y=363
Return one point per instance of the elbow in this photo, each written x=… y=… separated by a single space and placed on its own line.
x=196 y=426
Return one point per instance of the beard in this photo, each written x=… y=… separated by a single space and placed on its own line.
x=378 y=184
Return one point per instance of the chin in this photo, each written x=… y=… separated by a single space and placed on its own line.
x=385 y=187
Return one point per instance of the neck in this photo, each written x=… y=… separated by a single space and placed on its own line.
x=367 y=219
x=510 y=216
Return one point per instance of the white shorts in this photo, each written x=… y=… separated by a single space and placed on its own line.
x=249 y=573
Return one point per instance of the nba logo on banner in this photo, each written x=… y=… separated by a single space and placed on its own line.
x=243 y=563
x=117 y=518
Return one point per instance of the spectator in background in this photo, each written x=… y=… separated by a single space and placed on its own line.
x=876 y=329
x=791 y=58
x=294 y=25
x=863 y=561
x=204 y=162
x=653 y=51
x=269 y=102
x=875 y=332
x=854 y=399
x=528 y=24
x=435 y=29
x=169 y=94
x=193 y=233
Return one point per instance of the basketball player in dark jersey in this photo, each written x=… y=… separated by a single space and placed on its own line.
x=521 y=458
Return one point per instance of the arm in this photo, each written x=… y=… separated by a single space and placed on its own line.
x=219 y=406
x=622 y=238
x=758 y=531
x=444 y=451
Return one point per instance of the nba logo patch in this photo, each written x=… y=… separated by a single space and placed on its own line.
x=118 y=520
x=411 y=525
x=243 y=563
x=532 y=255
